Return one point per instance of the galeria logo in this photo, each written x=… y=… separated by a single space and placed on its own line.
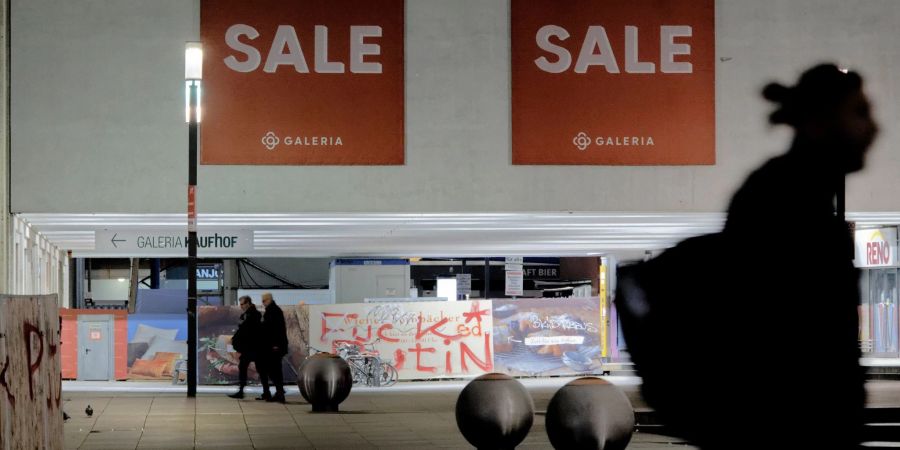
x=581 y=140
x=270 y=140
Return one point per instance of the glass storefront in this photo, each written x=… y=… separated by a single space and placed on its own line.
x=879 y=322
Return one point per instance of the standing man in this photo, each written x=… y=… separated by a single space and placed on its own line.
x=246 y=340
x=274 y=347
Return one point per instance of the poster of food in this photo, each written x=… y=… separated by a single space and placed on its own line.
x=421 y=339
x=547 y=336
x=217 y=362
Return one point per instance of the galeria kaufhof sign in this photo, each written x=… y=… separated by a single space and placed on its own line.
x=617 y=82
x=302 y=82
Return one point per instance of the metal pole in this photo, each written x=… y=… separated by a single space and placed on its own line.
x=192 y=244
x=487 y=277
x=154 y=273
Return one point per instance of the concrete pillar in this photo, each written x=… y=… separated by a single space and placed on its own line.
x=5 y=222
x=65 y=293
x=78 y=283
x=230 y=282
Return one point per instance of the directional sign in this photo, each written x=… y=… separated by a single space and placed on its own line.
x=137 y=243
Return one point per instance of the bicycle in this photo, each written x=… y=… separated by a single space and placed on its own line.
x=366 y=366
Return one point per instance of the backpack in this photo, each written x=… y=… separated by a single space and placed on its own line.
x=669 y=307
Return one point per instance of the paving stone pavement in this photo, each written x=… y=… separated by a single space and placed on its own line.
x=373 y=419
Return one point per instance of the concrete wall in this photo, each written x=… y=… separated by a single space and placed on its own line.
x=98 y=101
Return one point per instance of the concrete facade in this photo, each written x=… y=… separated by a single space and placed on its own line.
x=98 y=100
x=5 y=228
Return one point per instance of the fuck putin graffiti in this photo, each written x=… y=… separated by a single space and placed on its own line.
x=434 y=338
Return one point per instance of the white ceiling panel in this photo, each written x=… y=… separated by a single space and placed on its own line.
x=411 y=235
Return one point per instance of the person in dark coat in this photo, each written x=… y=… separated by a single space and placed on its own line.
x=274 y=347
x=809 y=324
x=769 y=306
x=246 y=340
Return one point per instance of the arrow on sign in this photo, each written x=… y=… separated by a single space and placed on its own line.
x=114 y=240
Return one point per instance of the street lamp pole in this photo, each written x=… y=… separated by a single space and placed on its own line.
x=192 y=74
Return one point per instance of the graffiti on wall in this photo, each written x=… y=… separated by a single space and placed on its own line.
x=422 y=340
x=30 y=378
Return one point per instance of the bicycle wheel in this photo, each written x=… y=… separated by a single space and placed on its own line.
x=389 y=375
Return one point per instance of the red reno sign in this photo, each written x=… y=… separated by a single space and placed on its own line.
x=876 y=247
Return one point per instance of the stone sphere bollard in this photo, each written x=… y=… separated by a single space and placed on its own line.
x=494 y=411
x=325 y=381
x=590 y=413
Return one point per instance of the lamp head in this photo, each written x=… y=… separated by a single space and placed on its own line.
x=193 y=61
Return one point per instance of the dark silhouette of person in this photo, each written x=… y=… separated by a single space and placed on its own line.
x=813 y=326
x=770 y=303
x=274 y=347
x=246 y=341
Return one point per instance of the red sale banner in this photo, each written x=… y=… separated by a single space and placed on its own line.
x=617 y=82
x=302 y=82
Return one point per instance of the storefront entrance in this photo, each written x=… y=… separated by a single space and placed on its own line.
x=880 y=325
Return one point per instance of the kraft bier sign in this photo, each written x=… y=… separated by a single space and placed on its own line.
x=876 y=247
x=302 y=83
x=138 y=243
x=613 y=82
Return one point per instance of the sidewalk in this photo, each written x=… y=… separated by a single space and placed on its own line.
x=418 y=415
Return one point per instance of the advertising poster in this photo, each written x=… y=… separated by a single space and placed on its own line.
x=302 y=83
x=421 y=339
x=617 y=82
x=217 y=362
x=541 y=337
x=156 y=342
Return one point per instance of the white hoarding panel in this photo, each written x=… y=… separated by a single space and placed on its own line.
x=422 y=340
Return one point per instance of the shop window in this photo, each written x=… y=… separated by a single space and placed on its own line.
x=884 y=322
